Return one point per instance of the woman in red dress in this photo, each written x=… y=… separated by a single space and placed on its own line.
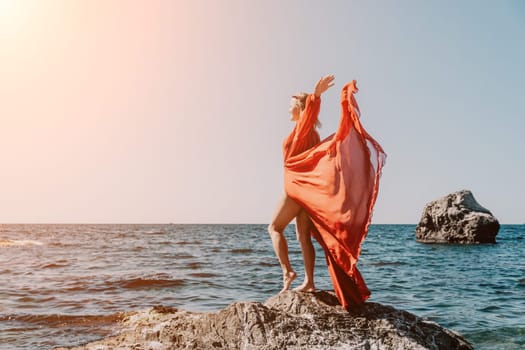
x=330 y=188
x=304 y=110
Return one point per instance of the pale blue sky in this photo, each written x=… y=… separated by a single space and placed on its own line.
x=175 y=111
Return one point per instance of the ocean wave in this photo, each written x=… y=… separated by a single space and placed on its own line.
x=28 y=299
x=155 y=232
x=241 y=250
x=204 y=274
x=63 y=244
x=55 y=265
x=58 y=320
x=271 y=263
x=194 y=265
x=188 y=242
x=181 y=256
x=98 y=285
x=387 y=263
x=22 y=242
x=503 y=337
x=141 y=283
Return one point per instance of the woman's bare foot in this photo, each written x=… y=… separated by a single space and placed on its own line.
x=287 y=280
x=305 y=287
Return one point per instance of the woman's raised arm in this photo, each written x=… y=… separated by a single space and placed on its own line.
x=312 y=107
x=324 y=84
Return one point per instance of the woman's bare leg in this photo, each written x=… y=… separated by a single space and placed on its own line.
x=303 y=227
x=286 y=210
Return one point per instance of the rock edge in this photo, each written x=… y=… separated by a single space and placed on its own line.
x=291 y=320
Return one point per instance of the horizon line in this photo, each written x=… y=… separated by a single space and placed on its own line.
x=182 y=223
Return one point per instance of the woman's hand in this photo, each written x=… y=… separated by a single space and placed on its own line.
x=323 y=84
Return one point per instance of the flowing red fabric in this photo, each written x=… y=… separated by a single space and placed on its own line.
x=336 y=181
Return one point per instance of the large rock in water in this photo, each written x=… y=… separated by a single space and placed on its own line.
x=457 y=218
x=290 y=320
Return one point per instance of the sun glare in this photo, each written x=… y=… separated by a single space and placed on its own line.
x=5 y=5
x=8 y=8
x=14 y=16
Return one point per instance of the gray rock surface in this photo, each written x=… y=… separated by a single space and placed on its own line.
x=457 y=218
x=290 y=320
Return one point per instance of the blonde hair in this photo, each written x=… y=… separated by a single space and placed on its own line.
x=301 y=98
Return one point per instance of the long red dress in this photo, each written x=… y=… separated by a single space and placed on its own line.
x=336 y=181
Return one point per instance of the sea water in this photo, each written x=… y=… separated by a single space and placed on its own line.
x=65 y=285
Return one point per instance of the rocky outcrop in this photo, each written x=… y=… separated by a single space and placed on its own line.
x=290 y=320
x=457 y=218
